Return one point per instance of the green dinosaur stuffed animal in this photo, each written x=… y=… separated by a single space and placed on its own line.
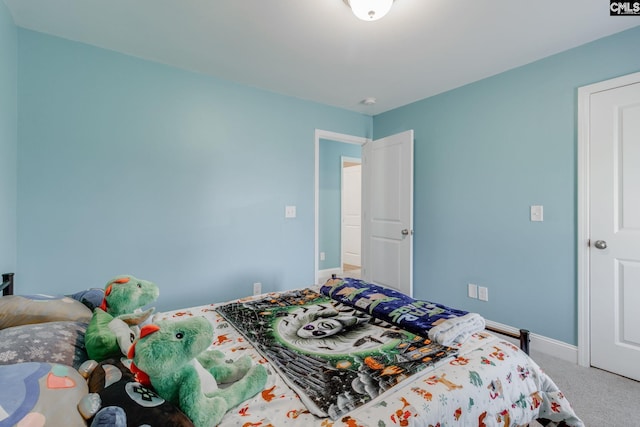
x=171 y=356
x=114 y=325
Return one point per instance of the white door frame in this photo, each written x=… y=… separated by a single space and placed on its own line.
x=584 y=285
x=333 y=136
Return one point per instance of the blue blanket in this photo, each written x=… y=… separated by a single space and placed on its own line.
x=440 y=323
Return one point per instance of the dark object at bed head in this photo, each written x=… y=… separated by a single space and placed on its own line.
x=7 y=284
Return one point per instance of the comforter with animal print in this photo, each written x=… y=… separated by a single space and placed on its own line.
x=488 y=382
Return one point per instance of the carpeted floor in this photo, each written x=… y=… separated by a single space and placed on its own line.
x=600 y=399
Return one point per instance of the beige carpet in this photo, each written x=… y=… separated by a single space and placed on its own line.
x=599 y=398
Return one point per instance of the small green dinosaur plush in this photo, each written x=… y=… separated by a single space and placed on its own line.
x=171 y=356
x=114 y=325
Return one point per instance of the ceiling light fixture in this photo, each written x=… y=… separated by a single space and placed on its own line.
x=370 y=10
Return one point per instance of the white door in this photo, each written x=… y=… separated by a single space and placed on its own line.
x=614 y=229
x=387 y=169
x=351 y=212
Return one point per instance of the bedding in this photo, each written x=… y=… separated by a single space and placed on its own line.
x=334 y=357
x=483 y=380
x=55 y=342
x=39 y=394
x=18 y=310
x=440 y=323
x=488 y=382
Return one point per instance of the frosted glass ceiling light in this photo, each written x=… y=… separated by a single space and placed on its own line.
x=370 y=10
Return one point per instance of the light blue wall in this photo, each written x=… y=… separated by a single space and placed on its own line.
x=8 y=139
x=329 y=215
x=483 y=154
x=128 y=166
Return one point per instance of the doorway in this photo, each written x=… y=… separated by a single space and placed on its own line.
x=351 y=217
x=333 y=240
x=387 y=210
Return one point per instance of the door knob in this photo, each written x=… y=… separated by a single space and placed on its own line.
x=600 y=244
x=405 y=232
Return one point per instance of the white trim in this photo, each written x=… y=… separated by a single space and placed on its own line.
x=582 y=244
x=583 y=272
x=542 y=344
x=333 y=136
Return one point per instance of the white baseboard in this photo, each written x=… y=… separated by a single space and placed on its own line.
x=542 y=344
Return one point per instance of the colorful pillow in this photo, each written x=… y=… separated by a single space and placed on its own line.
x=18 y=310
x=116 y=386
x=54 y=342
x=41 y=394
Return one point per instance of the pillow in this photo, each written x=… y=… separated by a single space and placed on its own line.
x=117 y=387
x=27 y=309
x=38 y=394
x=54 y=342
x=92 y=298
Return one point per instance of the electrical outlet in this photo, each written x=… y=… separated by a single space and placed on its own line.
x=473 y=290
x=483 y=293
x=257 y=288
x=289 y=211
x=536 y=213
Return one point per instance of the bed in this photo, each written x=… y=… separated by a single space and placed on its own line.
x=371 y=373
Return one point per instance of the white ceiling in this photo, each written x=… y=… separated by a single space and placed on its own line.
x=317 y=50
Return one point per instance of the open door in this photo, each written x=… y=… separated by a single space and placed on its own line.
x=612 y=124
x=387 y=220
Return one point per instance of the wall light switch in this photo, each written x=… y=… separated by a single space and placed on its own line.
x=536 y=213
x=289 y=211
x=473 y=290
x=483 y=293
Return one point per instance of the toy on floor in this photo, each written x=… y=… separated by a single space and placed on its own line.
x=114 y=325
x=170 y=355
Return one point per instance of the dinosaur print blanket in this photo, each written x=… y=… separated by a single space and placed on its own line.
x=335 y=358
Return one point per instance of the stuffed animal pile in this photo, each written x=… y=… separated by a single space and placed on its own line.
x=114 y=325
x=176 y=376
x=173 y=367
x=171 y=357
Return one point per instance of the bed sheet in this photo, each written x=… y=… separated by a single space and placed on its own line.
x=490 y=382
